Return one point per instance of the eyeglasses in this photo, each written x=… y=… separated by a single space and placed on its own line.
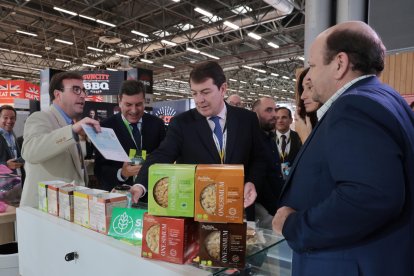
x=76 y=89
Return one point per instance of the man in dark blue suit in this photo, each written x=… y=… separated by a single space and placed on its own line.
x=136 y=130
x=212 y=133
x=348 y=201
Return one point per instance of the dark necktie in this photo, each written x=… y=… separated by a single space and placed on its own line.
x=217 y=130
x=137 y=135
x=283 y=145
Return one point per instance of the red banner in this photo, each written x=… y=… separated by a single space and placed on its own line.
x=11 y=89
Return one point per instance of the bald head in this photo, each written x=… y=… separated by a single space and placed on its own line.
x=234 y=100
x=360 y=42
x=342 y=53
x=265 y=109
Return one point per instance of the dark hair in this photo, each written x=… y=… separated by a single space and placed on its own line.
x=412 y=104
x=57 y=79
x=365 y=52
x=300 y=103
x=285 y=108
x=132 y=87
x=8 y=107
x=207 y=70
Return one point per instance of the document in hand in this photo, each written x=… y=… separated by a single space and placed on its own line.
x=107 y=143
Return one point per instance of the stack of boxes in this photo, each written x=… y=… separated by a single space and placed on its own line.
x=91 y=208
x=211 y=195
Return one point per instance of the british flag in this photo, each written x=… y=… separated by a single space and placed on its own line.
x=32 y=93
x=12 y=89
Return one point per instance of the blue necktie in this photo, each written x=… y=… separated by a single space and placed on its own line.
x=137 y=135
x=217 y=130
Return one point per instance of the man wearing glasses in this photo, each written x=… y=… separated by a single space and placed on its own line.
x=51 y=138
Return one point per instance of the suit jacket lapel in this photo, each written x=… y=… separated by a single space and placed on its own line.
x=73 y=150
x=298 y=156
x=206 y=135
x=124 y=134
x=232 y=125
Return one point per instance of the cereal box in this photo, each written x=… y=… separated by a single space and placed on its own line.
x=219 y=193
x=171 y=190
x=53 y=197
x=42 y=193
x=169 y=239
x=127 y=225
x=66 y=201
x=222 y=244
x=100 y=209
x=81 y=205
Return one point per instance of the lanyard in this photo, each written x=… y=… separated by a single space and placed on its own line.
x=128 y=126
x=221 y=151
x=284 y=154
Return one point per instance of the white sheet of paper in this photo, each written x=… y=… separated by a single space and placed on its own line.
x=107 y=143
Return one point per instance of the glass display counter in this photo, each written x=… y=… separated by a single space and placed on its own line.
x=45 y=243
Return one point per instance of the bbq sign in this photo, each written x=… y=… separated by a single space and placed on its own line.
x=102 y=82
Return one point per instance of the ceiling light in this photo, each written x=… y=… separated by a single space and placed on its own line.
x=138 y=33
x=273 y=45
x=286 y=78
x=168 y=66
x=301 y=58
x=17 y=52
x=169 y=42
x=231 y=25
x=8 y=64
x=26 y=33
x=294 y=80
x=65 y=11
x=176 y=1
x=255 y=36
x=111 y=69
x=89 y=65
x=247 y=67
x=17 y=76
x=203 y=12
x=274 y=74
x=62 y=60
x=243 y=82
x=232 y=80
x=241 y=10
x=87 y=17
x=121 y=55
x=95 y=49
x=146 y=60
x=63 y=41
x=105 y=23
x=193 y=50
x=38 y=69
x=265 y=86
x=255 y=84
x=6 y=50
x=208 y=55
x=32 y=55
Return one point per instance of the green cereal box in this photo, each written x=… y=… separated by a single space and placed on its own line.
x=171 y=190
x=127 y=224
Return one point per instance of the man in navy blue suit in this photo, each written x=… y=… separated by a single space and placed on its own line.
x=137 y=132
x=212 y=133
x=348 y=200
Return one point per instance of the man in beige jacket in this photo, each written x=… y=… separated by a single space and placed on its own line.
x=51 y=138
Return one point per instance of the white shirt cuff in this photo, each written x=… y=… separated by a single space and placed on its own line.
x=142 y=186
x=119 y=176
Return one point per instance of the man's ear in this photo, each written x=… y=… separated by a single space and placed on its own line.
x=223 y=89
x=342 y=65
x=56 y=93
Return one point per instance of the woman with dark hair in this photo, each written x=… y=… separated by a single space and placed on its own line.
x=305 y=119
